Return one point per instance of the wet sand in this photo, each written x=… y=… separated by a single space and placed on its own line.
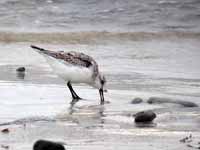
x=37 y=105
x=47 y=114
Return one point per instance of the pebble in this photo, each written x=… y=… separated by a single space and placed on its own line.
x=47 y=145
x=21 y=69
x=136 y=100
x=6 y=130
x=160 y=100
x=145 y=116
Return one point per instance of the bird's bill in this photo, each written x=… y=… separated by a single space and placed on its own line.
x=101 y=96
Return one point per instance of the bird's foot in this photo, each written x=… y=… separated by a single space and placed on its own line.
x=105 y=102
x=75 y=100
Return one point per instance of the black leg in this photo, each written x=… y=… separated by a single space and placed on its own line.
x=74 y=95
x=101 y=96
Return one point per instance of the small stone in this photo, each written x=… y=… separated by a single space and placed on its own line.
x=4 y=146
x=47 y=145
x=145 y=116
x=6 y=130
x=160 y=100
x=21 y=69
x=187 y=104
x=189 y=145
x=136 y=100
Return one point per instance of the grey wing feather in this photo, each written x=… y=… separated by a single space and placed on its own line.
x=74 y=58
x=81 y=60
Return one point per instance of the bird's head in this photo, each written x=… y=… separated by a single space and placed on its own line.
x=100 y=82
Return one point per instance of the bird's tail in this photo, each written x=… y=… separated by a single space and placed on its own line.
x=39 y=49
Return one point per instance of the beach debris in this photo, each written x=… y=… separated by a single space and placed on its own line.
x=136 y=100
x=21 y=69
x=47 y=145
x=6 y=130
x=4 y=146
x=145 y=116
x=160 y=100
x=187 y=139
x=190 y=142
x=193 y=146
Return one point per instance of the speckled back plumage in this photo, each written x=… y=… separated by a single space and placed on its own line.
x=78 y=59
x=74 y=58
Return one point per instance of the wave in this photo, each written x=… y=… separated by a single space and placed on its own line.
x=91 y=37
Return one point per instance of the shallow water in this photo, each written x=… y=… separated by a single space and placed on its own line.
x=37 y=104
x=93 y=15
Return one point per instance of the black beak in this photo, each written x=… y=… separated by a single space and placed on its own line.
x=101 y=96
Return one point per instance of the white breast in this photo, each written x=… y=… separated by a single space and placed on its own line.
x=68 y=72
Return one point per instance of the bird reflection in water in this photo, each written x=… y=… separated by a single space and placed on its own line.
x=20 y=75
x=98 y=115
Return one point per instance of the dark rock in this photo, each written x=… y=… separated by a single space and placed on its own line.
x=6 y=130
x=47 y=145
x=136 y=100
x=21 y=69
x=189 y=145
x=4 y=146
x=145 y=116
x=187 y=104
x=159 y=100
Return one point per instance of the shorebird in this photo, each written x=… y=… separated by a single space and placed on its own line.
x=75 y=67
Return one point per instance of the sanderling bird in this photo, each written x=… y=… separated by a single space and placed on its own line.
x=75 y=67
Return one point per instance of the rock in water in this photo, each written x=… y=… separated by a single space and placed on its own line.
x=136 y=100
x=47 y=145
x=4 y=146
x=21 y=69
x=187 y=104
x=6 y=130
x=145 y=116
x=159 y=100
